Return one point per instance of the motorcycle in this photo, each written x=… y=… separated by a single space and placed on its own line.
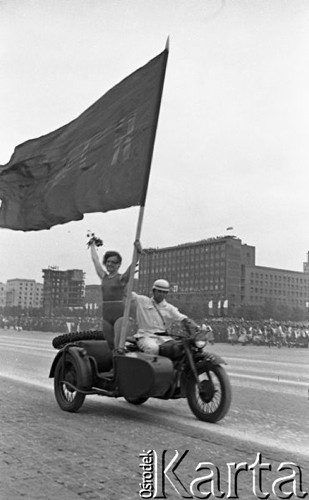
x=85 y=365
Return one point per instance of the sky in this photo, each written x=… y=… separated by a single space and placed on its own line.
x=231 y=148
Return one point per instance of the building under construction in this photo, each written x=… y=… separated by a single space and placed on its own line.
x=62 y=289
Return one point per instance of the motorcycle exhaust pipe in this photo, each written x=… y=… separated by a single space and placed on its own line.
x=94 y=390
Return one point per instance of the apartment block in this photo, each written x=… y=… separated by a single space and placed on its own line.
x=24 y=293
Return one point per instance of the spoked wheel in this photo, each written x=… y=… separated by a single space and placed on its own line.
x=136 y=401
x=212 y=400
x=67 y=398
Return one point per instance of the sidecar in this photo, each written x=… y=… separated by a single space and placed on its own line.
x=85 y=367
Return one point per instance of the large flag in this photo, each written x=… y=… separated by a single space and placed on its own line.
x=98 y=162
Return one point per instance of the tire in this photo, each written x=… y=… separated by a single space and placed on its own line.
x=213 y=404
x=66 y=338
x=67 y=398
x=136 y=401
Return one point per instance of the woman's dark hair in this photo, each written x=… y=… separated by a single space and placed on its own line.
x=111 y=253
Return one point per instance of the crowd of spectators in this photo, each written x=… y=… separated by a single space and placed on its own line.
x=53 y=324
x=228 y=330
x=267 y=332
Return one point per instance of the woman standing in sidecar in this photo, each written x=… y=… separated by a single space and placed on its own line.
x=113 y=286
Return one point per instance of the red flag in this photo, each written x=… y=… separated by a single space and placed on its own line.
x=98 y=162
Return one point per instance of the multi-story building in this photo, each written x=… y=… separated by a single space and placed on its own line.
x=267 y=284
x=2 y=295
x=62 y=289
x=24 y=293
x=221 y=273
x=210 y=269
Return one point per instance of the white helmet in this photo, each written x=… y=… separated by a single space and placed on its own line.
x=161 y=285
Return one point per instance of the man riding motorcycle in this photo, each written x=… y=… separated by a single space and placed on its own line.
x=154 y=317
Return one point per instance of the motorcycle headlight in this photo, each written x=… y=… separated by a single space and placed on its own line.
x=200 y=339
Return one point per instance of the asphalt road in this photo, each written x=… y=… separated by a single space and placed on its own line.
x=47 y=453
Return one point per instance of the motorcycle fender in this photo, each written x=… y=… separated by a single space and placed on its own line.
x=82 y=360
x=54 y=363
x=207 y=359
x=211 y=358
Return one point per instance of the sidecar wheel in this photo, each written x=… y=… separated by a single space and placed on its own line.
x=136 y=401
x=212 y=403
x=67 y=398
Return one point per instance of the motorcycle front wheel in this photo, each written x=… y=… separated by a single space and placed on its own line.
x=67 y=398
x=211 y=401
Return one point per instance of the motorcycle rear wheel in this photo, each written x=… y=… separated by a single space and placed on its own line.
x=212 y=403
x=67 y=398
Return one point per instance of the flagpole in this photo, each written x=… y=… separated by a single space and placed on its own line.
x=142 y=209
